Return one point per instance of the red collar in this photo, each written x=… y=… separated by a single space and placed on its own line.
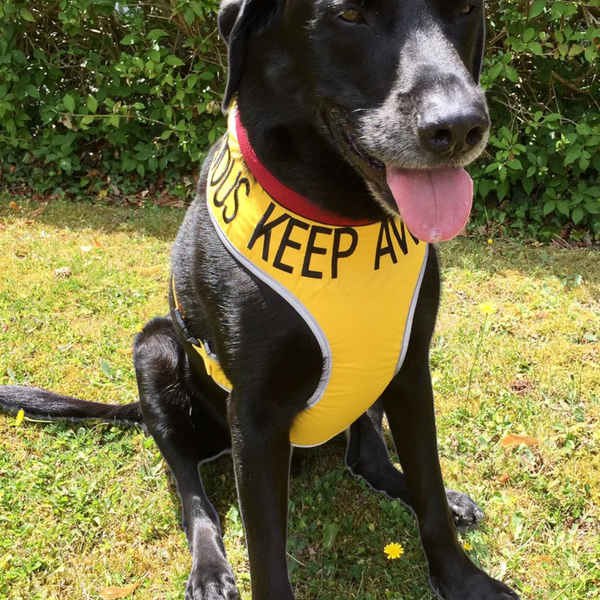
x=289 y=199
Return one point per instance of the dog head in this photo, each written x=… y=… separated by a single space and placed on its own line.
x=393 y=82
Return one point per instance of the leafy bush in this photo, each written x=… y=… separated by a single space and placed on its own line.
x=541 y=176
x=97 y=95
x=99 y=91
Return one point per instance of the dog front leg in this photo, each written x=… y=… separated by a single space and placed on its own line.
x=261 y=455
x=408 y=403
x=367 y=457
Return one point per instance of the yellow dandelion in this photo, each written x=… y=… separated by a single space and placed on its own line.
x=20 y=417
x=490 y=241
x=393 y=551
x=487 y=308
x=467 y=546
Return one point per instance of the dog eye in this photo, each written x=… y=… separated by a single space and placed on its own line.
x=468 y=9
x=351 y=16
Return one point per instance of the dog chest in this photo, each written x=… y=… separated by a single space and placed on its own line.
x=355 y=287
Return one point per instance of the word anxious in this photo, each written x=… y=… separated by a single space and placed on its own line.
x=293 y=245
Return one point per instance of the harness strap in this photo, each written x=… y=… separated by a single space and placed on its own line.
x=180 y=319
x=210 y=359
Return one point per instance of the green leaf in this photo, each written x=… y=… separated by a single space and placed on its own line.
x=130 y=39
x=594 y=191
x=197 y=8
x=69 y=103
x=573 y=153
x=106 y=369
x=528 y=34
x=26 y=15
x=156 y=34
x=593 y=207
x=577 y=215
x=19 y=56
x=591 y=54
x=495 y=71
x=511 y=74
x=154 y=55
x=527 y=184
x=584 y=129
x=174 y=61
x=535 y=48
x=330 y=532
x=549 y=207
x=189 y=16
x=574 y=50
x=537 y=8
x=92 y=104
x=32 y=91
x=515 y=165
x=563 y=207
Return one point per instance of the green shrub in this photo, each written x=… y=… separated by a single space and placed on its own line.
x=541 y=176
x=98 y=95
x=94 y=92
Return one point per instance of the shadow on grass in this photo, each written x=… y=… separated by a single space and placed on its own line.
x=154 y=221
x=163 y=223
x=532 y=261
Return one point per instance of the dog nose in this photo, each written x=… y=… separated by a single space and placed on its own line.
x=452 y=133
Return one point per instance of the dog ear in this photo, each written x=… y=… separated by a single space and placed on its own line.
x=478 y=51
x=228 y=14
x=238 y=19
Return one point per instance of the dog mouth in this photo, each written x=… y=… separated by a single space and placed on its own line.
x=434 y=203
x=373 y=163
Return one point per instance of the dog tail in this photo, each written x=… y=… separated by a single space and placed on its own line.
x=40 y=404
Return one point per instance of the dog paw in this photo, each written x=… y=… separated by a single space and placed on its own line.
x=475 y=585
x=208 y=582
x=465 y=512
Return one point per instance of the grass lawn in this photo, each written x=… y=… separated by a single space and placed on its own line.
x=83 y=507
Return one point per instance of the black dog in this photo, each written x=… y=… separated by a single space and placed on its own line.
x=365 y=110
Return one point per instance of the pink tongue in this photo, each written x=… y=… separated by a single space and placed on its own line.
x=434 y=204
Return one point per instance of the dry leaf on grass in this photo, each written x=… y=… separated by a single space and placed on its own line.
x=503 y=479
x=99 y=244
x=38 y=211
x=111 y=592
x=15 y=206
x=147 y=270
x=515 y=439
x=125 y=352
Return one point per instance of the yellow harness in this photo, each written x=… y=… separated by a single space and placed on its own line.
x=356 y=287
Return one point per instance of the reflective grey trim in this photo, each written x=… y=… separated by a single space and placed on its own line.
x=321 y=443
x=291 y=299
x=411 y=313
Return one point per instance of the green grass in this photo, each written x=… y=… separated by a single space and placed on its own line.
x=84 y=507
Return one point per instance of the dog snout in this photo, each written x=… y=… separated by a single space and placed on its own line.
x=452 y=131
